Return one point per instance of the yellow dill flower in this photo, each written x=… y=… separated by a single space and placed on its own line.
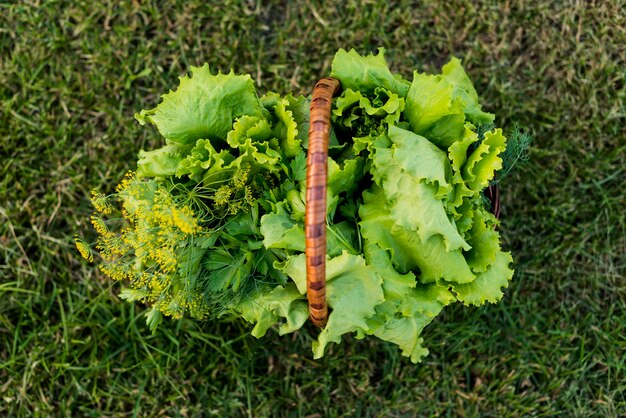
x=100 y=226
x=241 y=177
x=158 y=284
x=165 y=257
x=269 y=179
x=185 y=220
x=141 y=280
x=100 y=202
x=222 y=195
x=114 y=270
x=161 y=215
x=236 y=207
x=249 y=195
x=126 y=182
x=83 y=248
x=112 y=246
x=163 y=197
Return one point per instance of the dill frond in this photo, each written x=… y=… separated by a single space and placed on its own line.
x=517 y=151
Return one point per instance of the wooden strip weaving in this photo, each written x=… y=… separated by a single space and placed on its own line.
x=315 y=214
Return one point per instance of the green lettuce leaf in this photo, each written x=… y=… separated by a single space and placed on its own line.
x=299 y=108
x=438 y=105
x=457 y=153
x=353 y=291
x=432 y=111
x=366 y=73
x=395 y=285
x=161 y=162
x=414 y=205
x=418 y=308
x=254 y=140
x=286 y=130
x=485 y=160
x=408 y=251
x=485 y=242
x=249 y=129
x=205 y=161
x=203 y=107
x=421 y=159
x=465 y=92
x=362 y=115
x=279 y=230
x=266 y=307
x=345 y=177
x=487 y=286
x=294 y=266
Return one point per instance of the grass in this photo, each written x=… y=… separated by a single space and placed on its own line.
x=73 y=73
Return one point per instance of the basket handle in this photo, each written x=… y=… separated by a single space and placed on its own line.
x=315 y=214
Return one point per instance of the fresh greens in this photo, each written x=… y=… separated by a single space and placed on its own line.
x=213 y=222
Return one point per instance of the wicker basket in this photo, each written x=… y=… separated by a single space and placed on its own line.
x=315 y=215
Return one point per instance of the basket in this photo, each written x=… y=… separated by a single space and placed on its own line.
x=315 y=214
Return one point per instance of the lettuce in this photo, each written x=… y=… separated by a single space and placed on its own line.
x=215 y=217
x=366 y=74
x=438 y=105
x=203 y=107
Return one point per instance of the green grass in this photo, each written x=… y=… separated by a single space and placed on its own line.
x=73 y=73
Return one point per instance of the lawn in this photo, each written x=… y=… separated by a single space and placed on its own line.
x=73 y=73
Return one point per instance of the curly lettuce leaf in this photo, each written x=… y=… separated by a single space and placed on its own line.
x=370 y=142
x=418 y=308
x=299 y=108
x=408 y=251
x=432 y=111
x=286 y=129
x=203 y=107
x=353 y=290
x=162 y=162
x=279 y=230
x=438 y=105
x=249 y=129
x=465 y=92
x=344 y=178
x=253 y=138
x=488 y=285
x=395 y=285
x=414 y=204
x=363 y=114
x=485 y=160
x=204 y=160
x=485 y=241
x=267 y=307
x=366 y=73
x=421 y=159
x=457 y=152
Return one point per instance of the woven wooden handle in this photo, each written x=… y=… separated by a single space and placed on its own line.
x=315 y=214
